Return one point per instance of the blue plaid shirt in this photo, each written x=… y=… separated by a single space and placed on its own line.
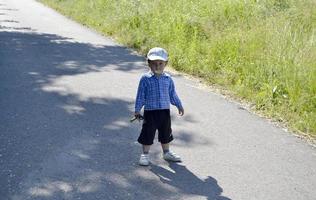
x=156 y=93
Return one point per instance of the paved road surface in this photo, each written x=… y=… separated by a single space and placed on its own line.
x=66 y=97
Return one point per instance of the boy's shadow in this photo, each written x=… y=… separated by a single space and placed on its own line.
x=187 y=183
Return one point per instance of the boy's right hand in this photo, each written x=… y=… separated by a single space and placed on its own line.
x=137 y=115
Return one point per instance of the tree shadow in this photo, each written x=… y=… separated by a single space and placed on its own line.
x=186 y=182
x=48 y=135
x=64 y=133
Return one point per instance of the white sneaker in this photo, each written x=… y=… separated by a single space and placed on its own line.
x=170 y=156
x=144 y=160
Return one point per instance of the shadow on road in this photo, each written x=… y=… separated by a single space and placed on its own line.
x=187 y=183
x=61 y=142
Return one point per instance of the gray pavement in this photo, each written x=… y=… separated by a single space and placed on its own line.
x=66 y=96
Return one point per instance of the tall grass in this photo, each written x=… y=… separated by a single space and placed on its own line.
x=262 y=50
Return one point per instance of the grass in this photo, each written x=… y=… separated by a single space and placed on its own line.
x=263 y=51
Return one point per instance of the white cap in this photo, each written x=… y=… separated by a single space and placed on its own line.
x=157 y=53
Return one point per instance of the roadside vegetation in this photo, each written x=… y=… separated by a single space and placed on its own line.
x=263 y=51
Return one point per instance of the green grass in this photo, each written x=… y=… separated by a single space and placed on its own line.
x=263 y=51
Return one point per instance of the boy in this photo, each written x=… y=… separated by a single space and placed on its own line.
x=155 y=92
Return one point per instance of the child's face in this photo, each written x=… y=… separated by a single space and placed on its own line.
x=157 y=66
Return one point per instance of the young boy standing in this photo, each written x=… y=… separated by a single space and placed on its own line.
x=156 y=91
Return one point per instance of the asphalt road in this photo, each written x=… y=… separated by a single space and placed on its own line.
x=66 y=96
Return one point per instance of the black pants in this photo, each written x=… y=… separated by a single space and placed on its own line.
x=156 y=120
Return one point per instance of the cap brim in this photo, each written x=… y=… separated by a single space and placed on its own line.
x=157 y=58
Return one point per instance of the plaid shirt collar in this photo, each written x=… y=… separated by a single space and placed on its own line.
x=151 y=74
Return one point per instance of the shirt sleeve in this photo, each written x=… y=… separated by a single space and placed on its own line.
x=174 y=99
x=140 y=97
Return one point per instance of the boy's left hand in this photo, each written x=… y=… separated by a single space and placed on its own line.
x=181 y=111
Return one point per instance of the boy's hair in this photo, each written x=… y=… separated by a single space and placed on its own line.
x=157 y=53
